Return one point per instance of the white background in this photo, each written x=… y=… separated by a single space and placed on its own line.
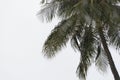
x=22 y=36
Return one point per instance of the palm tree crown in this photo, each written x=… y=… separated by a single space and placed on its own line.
x=90 y=25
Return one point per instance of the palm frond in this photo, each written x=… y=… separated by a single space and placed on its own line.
x=48 y=12
x=59 y=37
x=114 y=36
x=87 y=52
x=66 y=8
x=101 y=60
x=77 y=37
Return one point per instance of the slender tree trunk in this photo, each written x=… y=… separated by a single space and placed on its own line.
x=110 y=60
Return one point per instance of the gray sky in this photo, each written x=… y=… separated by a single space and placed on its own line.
x=21 y=38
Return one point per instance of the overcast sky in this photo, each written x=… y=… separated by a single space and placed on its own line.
x=22 y=35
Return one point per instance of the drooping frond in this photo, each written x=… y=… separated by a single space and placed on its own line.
x=87 y=52
x=114 y=36
x=59 y=37
x=48 y=12
x=77 y=37
x=66 y=8
x=101 y=59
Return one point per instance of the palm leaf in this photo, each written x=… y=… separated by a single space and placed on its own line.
x=59 y=37
x=48 y=12
x=87 y=52
x=101 y=60
x=114 y=36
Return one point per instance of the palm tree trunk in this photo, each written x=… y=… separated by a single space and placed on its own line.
x=110 y=60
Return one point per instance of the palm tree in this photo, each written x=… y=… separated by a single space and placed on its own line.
x=90 y=25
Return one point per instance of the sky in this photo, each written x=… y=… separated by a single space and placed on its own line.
x=22 y=35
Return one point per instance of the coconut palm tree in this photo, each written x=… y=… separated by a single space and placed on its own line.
x=90 y=25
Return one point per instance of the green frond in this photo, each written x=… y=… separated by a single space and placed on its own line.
x=87 y=52
x=101 y=60
x=114 y=36
x=59 y=37
x=77 y=37
x=82 y=70
x=114 y=28
x=48 y=12
x=65 y=9
x=75 y=44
